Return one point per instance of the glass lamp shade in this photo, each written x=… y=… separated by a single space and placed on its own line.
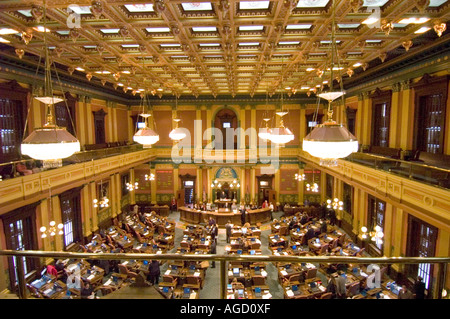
x=265 y=133
x=146 y=136
x=49 y=99
x=177 y=134
x=330 y=141
x=331 y=96
x=50 y=143
x=281 y=135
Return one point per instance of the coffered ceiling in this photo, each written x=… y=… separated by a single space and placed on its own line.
x=223 y=47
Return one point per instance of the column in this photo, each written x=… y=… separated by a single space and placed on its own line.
x=56 y=209
x=355 y=209
x=302 y=124
x=301 y=186
x=80 y=121
x=277 y=181
x=397 y=242
x=90 y=131
x=133 y=194
x=243 y=128
x=175 y=180
x=153 y=185
x=86 y=207
x=36 y=110
x=322 y=186
x=252 y=155
x=109 y=125
x=198 y=136
x=366 y=120
x=395 y=116
x=43 y=213
x=208 y=138
x=131 y=128
x=252 y=184
x=406 y=118
x=199 y=183
x=388 y=220
x=242 y=183
x=93 y=192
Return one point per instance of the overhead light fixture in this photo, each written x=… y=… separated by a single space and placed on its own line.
x=131 y=187
x=299 y=177
x=330 y=141
x=375 y=235
x=49 y=143
x=177 y=134
x=7 y=31
x=149 y=177
x=281 y=134
x=335 y=203
x=145 y=136
x=52 y=230
x=414 y=20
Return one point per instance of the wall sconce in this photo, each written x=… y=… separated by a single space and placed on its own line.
x=52 y=230
x=132 y=187
x=312 y=188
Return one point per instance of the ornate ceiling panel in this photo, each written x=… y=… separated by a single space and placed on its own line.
x=223 y=47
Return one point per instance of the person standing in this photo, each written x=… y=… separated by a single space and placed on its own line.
x=154 y=272
x=228 y=228
x=341 y=290
x=242 y=211
x=419 y=288
x=213 y=250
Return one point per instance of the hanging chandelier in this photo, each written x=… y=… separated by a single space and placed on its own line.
x=265 y=132
x=104 y=201
x=375 y=235
x=177 y=134
x=335 y=203
x=150 y=177
x=299 y=177
x=330 y=141
x=50 y=142
x=145 y=136
x=281 y=134
x=52 y=230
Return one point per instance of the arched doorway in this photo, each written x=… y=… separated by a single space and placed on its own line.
x=227 y=122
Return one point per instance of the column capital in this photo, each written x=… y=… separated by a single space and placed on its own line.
x=363 y=96
x=396 y=87
x=406 y=85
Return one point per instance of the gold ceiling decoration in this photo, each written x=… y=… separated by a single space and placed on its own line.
x=221 y=47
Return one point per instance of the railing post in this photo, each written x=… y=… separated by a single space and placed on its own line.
x=20 y=277
x=223 y=279
x=442 y=275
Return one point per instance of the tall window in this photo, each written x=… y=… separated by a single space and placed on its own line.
x=381 y=105
x=421 y=243
x=348 y=198
x=376 y=213
x=13 y=101
x=71 y=216
x=430 y=104
x=99 y=125
x=20 y=234
x=351 y=119
x=65 y=114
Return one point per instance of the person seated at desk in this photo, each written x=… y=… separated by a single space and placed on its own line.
x=310 y=234
x=323 y=226
x=87 y=291
x=304 y=218
x=265 y=204
x=404 y=293
x=293 y=223
x=73 y=283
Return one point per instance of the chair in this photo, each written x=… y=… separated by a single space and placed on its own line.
x=284 y=230
x=124 y=271
x=360 y=252
x=141 y=281
x=192 y=282
x=169 y=281
x=353 y=290
x=327 y=295
x=323 y=250
x=311 y=273
x=34 y=292
x=258 y=280
x=334 y=243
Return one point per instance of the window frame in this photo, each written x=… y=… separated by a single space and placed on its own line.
x=380 y=98
x=425 y=87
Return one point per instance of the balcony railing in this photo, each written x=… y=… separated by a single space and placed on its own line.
x=31 y=166
x=420 y=172
x=441 y=262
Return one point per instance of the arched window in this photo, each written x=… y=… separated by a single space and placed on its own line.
x=226 y=121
